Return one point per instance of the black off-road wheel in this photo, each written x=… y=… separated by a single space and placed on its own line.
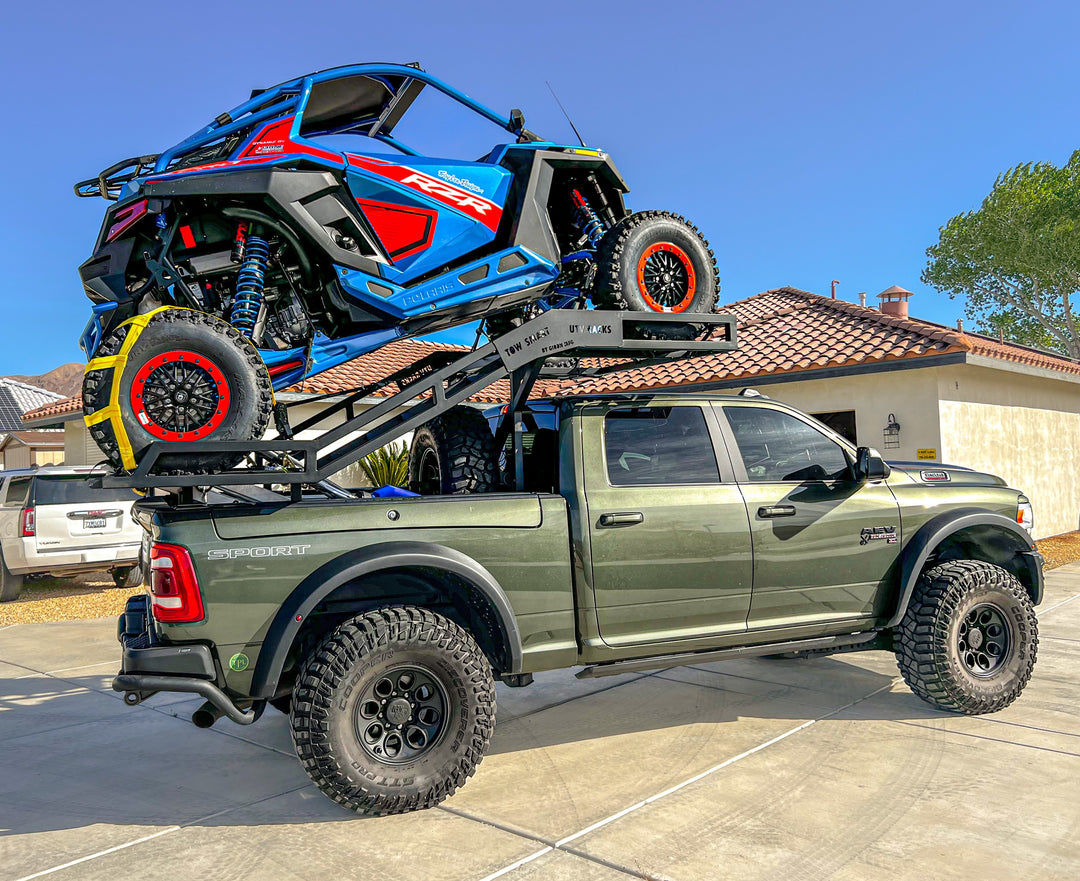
x=393 y=711
x=188 y=377
x=657 y=262
x=454 y=453
x=968 y=640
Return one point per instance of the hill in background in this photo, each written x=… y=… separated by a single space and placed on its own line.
x=65 y=379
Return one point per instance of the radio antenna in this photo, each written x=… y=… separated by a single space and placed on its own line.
x=567 y=115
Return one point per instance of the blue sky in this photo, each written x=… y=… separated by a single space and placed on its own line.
x=809 y=141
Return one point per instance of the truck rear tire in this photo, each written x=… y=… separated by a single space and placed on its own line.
x=656 y=262
x=11 y=585
x=188 y=376
x=968 y=640
x=393 y=711
x=454 y=453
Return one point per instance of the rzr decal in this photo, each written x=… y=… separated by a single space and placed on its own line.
x=477 y=207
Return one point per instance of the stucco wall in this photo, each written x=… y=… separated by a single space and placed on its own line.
x=1023 y=428
x=910 y=395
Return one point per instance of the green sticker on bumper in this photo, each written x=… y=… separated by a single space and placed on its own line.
x=239 y=662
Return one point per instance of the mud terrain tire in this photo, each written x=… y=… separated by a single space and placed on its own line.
x=657 y=262
x=968 y=641
x=404 y=676
x=196 y=355
x=454 y=453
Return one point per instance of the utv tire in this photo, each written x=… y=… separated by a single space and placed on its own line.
x=656 y=262
x=188 y=377
x=968 y=640
x=11 y=585
x=454 y=453
x=393 y=711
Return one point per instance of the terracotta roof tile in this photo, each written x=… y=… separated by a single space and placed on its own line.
x=60 y=408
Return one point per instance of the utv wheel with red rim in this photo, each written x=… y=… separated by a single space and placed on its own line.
x=188 y=377
x=656 y=262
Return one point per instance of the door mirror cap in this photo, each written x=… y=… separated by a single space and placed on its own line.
x=869 y=465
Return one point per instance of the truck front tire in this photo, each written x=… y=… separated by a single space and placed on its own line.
x=968 y=640
x=393 y=711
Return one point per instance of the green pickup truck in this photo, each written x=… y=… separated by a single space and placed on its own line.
x=663 y=530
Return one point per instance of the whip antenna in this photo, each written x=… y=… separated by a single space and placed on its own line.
x=567 y=115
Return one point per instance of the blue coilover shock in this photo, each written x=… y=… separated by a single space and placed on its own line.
x=250 y=281
x=587 y=220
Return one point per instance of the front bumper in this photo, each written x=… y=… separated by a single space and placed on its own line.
x=149 y=666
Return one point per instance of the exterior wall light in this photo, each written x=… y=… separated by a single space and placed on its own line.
x=892 y=434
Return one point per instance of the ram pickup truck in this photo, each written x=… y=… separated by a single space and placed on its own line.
x=663 y=530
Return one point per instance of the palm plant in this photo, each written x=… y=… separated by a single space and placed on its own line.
x=387 y=466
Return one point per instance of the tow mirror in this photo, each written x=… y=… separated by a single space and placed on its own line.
x=869 y=465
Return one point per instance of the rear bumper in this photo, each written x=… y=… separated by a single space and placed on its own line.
x=149 y=665
x=34 y=562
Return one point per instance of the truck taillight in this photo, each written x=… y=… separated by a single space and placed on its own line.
x=28 y=523
x=174 y=589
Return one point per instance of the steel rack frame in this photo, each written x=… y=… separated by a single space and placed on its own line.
x=596 y=344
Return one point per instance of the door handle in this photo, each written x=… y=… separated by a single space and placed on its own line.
x=768 y=511
x=628 y=518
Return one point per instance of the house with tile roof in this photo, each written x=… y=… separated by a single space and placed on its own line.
x=913 y=389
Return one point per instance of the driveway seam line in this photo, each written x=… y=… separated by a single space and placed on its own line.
x=618 y=815
x=1045 y=749
x=1057 y=605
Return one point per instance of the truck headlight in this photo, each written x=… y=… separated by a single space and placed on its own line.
x=1025 y=514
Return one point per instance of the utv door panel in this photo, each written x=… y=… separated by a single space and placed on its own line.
x=671 y=553
x=824 y=544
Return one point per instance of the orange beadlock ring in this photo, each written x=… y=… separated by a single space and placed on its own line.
x=660 y=266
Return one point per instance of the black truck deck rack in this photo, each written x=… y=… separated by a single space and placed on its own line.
x=431 y=387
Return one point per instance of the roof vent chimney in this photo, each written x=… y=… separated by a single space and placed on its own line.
x=862 y=299
x=894 y=301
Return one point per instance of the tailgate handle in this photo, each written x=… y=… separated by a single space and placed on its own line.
x=776 y=511
x=628 y=518
x=79 y=515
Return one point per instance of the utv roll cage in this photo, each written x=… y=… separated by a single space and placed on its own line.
x=359 y=99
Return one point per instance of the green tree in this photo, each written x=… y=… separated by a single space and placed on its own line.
x=1017 y=258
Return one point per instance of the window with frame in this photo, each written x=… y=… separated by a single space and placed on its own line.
x=17 y=491
x=648 y=446
x=777 y=446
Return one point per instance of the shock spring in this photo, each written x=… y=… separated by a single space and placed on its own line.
x=250 y=282
x=586 y=219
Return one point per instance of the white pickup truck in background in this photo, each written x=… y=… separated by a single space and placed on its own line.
x=53 y=522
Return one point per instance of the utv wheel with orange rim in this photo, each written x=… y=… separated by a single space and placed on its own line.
x=656 y=262
x=188 y=377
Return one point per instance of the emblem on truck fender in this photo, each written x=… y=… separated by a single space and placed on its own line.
x=269 y=551
x=878 y=533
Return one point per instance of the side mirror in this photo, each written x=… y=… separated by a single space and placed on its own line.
x=869 y=465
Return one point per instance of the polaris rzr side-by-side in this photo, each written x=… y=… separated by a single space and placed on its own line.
x=257 y=253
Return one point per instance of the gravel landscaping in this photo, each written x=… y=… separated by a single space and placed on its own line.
x=67 y=599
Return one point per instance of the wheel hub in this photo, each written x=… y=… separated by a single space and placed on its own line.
x=666 y=278
x=401 y=715
x=180 y=395
x=984 y=640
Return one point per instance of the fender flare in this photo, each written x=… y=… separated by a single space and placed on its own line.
x=939 y=528
x=365 y=561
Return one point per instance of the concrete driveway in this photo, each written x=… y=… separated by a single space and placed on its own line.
x=826 y=768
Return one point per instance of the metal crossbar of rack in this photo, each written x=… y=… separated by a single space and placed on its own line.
x=435 y=384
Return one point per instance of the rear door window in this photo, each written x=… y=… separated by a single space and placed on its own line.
x=17 y=491
x=659 y=445
x=76 y=490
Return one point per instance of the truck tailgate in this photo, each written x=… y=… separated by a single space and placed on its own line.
x=509 y=510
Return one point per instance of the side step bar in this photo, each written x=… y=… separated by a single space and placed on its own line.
x=864 y=642
x=134 y=683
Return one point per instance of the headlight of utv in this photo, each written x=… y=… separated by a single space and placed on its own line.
x=1025 y=515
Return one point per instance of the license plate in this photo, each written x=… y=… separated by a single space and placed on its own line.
x=93 y=523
